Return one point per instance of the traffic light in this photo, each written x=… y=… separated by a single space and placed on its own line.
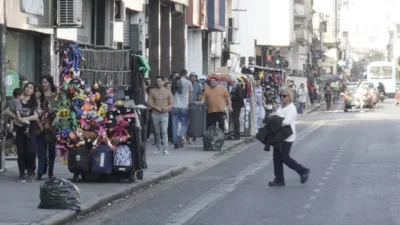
x=278 y=62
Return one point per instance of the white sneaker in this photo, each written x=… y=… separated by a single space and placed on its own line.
x=157 y=150
x=166 y=152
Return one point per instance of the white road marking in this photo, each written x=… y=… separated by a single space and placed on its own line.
x=220 y=191
x=335 y=160
x=327 y=173
x=317 y=190
x=332 y=164
x=321 y=183
x=307 y=206
x=330 y=168
x=313 y=197
x=337 y=156
x=324 y=178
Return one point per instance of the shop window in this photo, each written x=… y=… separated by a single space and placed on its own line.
x=21 y=54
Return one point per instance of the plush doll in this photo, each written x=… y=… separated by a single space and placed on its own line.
x=79 y=135
x=76 y=56
x=93 y=104
x=102 y=110
x=77 y=106
x=72 y=139
x=62 y=147
x=74 y=121
x=89 y=136
x=120 y=133
x=88 y=89
x=103 y=139
x=86 y=105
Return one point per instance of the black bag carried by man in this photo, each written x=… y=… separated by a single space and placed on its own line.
x=59 y=194
x=213 y=139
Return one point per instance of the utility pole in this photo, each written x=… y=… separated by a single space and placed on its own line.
x=3 y=25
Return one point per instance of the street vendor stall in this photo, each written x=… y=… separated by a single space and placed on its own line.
x=100 y=124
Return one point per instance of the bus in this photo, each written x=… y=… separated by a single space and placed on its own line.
x=385 y=73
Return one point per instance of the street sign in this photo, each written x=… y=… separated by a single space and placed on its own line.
x=12 y=82
x=317 y=54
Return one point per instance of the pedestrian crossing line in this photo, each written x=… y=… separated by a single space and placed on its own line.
x=313 y=197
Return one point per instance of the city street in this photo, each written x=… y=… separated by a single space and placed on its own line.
x=354 y=179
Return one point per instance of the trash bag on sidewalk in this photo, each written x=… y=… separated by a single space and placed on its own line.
x=213 y=139
x=59 y=194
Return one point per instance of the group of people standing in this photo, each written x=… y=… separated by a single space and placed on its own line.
x=170 y=100
x=32 y=111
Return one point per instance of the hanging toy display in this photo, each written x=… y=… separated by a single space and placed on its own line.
x=88 y=116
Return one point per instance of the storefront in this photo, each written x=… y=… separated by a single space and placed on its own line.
x=24 y=54
x=29 y=51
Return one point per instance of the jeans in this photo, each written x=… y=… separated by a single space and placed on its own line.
x=281 y=156
x=214 y=118
x=26 y=151
x=160 y=122
x=45 y=159
x=179 y=115
x=301 y=107
x=260 y=112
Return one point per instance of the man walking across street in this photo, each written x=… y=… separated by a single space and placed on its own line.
x=160 y=101
x=182 y=90
x=216 y=97
x=302 y=98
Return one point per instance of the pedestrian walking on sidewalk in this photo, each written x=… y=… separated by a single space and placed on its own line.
x=160 y=101
x=397 y=97
x=260 y=99
x=302 y=98
x=196 y=94
x=182 y=90
x=281 y=155
x=26 y=145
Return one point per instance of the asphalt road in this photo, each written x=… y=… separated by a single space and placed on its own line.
x=354 y=161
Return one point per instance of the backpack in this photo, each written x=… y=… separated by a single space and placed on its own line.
x=102 y=160
x=79 y=160
x=122 y=159
x=176 y=86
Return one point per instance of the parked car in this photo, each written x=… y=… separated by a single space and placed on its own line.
x=350 y=97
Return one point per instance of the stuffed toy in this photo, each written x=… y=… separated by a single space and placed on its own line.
x=102 y=110
x=86 y=105
x=102 y=139
x=79 y=135
x=74 y=121
x=89 y=136
x=76 y=56
x=120 y=133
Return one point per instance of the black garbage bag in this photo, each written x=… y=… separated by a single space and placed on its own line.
x=213 y=139
x=59 y=194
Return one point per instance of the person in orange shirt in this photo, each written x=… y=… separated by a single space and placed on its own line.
x=216 y=97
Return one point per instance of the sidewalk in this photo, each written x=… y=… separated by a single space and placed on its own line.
x=19 y=201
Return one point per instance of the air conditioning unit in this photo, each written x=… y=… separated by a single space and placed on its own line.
x=230 y=37
x=120 y=11
x=177 y=8
x=69 y=13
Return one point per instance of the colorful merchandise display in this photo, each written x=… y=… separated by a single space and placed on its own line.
x=93 y=119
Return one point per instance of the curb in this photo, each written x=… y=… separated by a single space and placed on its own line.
x=98 y=202
x=313 y=109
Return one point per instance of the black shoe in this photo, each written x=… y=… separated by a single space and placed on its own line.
x=22 y=179
x=31 y=178
x=176 y=146
x=304 y=176
x=236 y=138
x=275 y=183
x=39 y=177
x=180 y=142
